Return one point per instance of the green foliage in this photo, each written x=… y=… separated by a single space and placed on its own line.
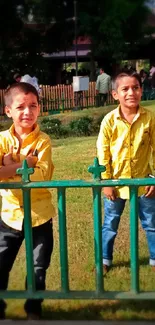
x=82 y=126
x=51 y=126
x=113 y=25
x=26 y=30
x=2 y=127
x=54 y=127
x=97 y=123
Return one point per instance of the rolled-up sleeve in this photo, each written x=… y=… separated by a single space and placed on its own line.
x=103 y=149
x=44 y=168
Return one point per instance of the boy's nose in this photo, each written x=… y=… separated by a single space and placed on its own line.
x=27 y=110
x=130 y=91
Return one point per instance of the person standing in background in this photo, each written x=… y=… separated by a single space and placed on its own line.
x=103 y=86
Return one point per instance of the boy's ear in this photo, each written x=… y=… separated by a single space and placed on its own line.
x=8 y=111
x=114 y=94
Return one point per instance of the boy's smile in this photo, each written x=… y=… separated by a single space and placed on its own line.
x=128 y=92
x=24 y=111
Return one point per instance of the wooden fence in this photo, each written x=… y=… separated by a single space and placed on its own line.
x=60 y=98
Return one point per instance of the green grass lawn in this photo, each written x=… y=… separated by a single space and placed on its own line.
x=71 y=158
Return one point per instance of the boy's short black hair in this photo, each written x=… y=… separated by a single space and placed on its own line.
x=22 y=87
x=125 y=74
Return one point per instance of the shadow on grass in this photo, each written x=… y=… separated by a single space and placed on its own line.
x=95 y=310
x=123 y=310
x=142 y=261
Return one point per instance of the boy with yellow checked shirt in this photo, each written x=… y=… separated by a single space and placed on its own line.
x=16 y=144
x=125 y=144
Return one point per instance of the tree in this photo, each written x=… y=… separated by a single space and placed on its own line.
x=114 y=26
x=27 y=29
x=30 y=27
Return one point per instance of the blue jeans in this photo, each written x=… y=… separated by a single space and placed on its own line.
x=112 y=213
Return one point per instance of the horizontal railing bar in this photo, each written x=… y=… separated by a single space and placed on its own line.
x=76 y=295
x=80 y=183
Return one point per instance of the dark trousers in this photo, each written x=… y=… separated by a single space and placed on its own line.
x=102 y=99
x=10 y=242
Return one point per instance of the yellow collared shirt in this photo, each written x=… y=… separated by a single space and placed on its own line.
x=127 y=149
x=42 y=208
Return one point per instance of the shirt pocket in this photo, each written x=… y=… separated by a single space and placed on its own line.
x=145 y=139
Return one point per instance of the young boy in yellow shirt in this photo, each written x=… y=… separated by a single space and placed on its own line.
x=125 y=144
x=16 y=144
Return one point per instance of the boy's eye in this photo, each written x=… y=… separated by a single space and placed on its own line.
x=124 y=89
x=20 y=107
x=134 y=88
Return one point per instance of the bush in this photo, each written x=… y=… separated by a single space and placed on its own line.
x=2 y=127
x=82 y=126
x=45 y=121
x=51 y=126
x=97 y=123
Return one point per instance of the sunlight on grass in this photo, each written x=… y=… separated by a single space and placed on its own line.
x=71 y=158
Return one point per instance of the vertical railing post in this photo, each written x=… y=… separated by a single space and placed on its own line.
x=98 y=238
x=134 y=238
x=96 y=171
x=25 y=171
x=28 y=239
x=63 y=239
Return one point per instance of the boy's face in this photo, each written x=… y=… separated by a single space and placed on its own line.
x=128 y=92
x=24 y=111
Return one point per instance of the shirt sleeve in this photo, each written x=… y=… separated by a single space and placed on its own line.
x=44 y=168
x=1 y=153
x=98 y=83
x=103 y=149
x=152 y=136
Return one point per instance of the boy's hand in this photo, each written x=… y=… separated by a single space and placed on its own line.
x=150 y=191
x=7 y=158
x=110 y=193
x=31 y=160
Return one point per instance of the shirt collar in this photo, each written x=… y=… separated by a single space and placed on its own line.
x=141 y=110
x=32 y=134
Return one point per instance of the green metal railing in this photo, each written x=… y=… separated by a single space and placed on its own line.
x=61 y=186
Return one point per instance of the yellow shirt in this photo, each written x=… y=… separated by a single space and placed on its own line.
x=42 y=208
x=126 y=149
